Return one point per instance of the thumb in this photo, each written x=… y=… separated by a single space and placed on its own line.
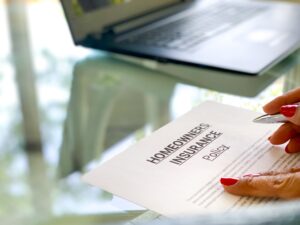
x=292 y=113
x=283 y=185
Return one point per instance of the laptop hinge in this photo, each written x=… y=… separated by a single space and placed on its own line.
x=146 y=18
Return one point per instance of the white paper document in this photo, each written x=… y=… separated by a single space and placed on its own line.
x=176 y=170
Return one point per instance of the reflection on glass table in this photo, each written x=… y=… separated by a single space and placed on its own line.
x=115 y=103
x=222 y=81
x=110 y=101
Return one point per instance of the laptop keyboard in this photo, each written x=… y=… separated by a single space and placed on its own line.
x=189 y=32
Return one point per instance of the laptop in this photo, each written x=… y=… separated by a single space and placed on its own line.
x=242 y=36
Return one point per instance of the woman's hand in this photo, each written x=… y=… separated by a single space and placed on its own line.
x=282 y=184
x=288 y=132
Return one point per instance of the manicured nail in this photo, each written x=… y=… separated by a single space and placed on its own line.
x=228 y=181
x=287 y=150
x=288 y=110
x=252 y=175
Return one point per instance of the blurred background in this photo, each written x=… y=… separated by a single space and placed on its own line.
x=37 y=56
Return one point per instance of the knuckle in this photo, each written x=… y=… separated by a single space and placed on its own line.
x=268 y=186
x=285 y=187
x=251 y=183
x=279 y=182
x=279 y=186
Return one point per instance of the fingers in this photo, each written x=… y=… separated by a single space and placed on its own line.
x=290 y=97
x=287 y=105
x=293 y=146
x=282 y=185
x=287 y=132
x=284 y=133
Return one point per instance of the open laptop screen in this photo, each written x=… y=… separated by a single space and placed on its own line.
x=91 y=16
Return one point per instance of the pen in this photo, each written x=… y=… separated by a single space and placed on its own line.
x=276 y=118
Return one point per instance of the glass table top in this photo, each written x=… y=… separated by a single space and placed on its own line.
x=65 y=109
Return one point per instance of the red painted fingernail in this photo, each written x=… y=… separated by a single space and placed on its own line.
x=287 y=150
x=228 y=181
x=288 y=110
